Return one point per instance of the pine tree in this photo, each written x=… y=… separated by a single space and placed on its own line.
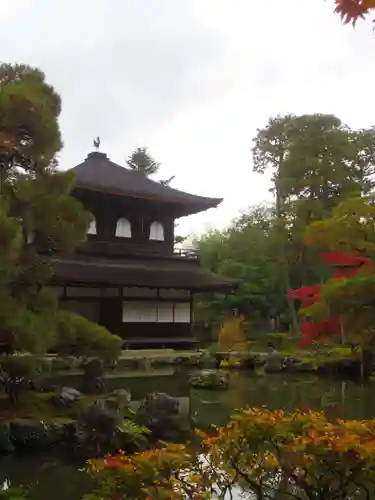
x=35 y=207
x=141 y=161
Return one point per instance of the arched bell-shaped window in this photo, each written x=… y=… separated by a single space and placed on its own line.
x=92 y=227
x=123 y=228
x=156 y=231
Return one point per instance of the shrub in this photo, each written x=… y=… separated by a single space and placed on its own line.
x=132 y=434
x=281 y=341
x=101 y=429
x=84 y=338
x=232 y=333
x=261 y=454
x=19 y=373
x=8 y=492
x=213 y=348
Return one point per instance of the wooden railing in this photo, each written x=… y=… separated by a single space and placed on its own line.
x=127 y=249
x=187 y=253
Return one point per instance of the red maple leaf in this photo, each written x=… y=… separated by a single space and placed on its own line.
x=346 y=265
x=307 y=295
x=343 y=260
x=314 y=331
x=351 y=10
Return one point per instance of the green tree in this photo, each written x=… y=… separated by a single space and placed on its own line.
x=29 y=130
x=36 y=210
x=270 y=150
x=350 y=229
x=247 y=251
x=316 y=162
x=141 y=161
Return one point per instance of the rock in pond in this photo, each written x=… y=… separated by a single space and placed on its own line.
x=343 y=367
x=66 y=398
x=120 y=399
x=99 y=416
x=297 y=366
x=6 y=445
x=275 y=363
x=161 y=414
x=210 y=379
x=30 y=433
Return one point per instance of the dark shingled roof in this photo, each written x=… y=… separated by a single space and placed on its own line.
x=131 y=272
x=98 y=173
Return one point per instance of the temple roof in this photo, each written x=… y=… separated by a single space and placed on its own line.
x=98 y=173
x=131 y=272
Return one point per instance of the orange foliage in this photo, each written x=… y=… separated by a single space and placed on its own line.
x=312 y=455
x=352 y=10
x=232 y=333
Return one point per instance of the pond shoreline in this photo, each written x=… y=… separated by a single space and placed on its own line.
x=344 y=398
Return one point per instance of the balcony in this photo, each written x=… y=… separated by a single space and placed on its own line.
x=94 y=247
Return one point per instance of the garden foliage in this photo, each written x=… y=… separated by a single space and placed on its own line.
x=261 y=454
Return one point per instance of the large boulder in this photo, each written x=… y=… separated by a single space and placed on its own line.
x=343 y=367
x=161 y=414
x=298 y=366
x=97 y=430
x=247 y=362
x=100 y=417
x=275 y=363
x=62 y=431
x=207 y=361
x=6 y=445
x=66 y=398
x=93 y=376
x=210 y=379
x=29 y=433
x=120 y=400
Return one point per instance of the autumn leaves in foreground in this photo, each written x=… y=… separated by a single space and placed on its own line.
x=303 y=453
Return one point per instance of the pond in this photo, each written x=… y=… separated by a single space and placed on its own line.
x=338 y=397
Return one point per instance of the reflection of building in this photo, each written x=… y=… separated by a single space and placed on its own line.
x=128 y=276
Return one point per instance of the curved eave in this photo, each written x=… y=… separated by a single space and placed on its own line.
x=194 y=205
x=140 y=273
x=99 y=174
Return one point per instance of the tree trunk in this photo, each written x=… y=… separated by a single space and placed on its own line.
x=284 y=260
x=362 y=363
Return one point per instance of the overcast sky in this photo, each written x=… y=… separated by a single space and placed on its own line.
x=192 y=80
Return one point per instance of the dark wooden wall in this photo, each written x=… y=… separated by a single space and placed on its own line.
x=140 y=213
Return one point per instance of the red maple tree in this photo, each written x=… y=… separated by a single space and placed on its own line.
x=345 y=266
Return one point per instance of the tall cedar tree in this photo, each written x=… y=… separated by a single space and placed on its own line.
x=35 y=207
x=271 y=146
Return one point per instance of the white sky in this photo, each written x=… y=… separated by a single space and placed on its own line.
x=192 y=80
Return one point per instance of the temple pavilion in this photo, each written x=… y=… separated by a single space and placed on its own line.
x=128 y=275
